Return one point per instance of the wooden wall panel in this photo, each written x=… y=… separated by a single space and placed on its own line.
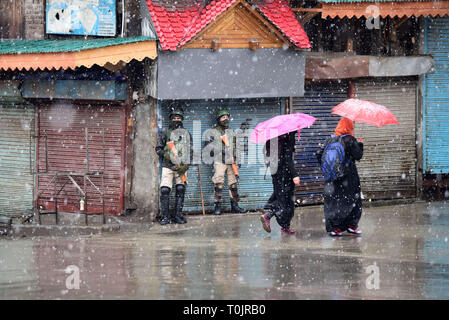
x=11 y=19
x=236 y=28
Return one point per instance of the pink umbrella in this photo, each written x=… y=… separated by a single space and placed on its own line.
x=365 y=111
x=280 y=125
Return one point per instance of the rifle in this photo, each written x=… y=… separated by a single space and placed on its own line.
x=171 y=145
x=234 y=166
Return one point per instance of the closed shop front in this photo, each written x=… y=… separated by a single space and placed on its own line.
x=388 y=167
x=436 y=98
x=78 y=71
x=254 y=186
x=318 y=101
x=64 y=147
x=16 y=181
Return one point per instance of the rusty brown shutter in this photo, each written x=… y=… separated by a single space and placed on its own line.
x=64 y=126
x=388 y=167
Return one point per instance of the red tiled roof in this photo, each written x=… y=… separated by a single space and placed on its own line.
x=281 y=15
x=172 y=19
x=177 y=22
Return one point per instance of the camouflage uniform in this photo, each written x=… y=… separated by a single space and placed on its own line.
x=174 y=167
x=223 y=164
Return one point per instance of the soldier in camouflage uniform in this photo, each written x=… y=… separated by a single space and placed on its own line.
x=174 y=166
x=223 y=162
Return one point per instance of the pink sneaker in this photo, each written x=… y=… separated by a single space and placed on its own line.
x=288 y=230
x=265 y=222
x=336 y=233
x=354 y=230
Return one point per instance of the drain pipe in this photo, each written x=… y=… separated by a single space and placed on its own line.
x=123 y=17
x=351 y=90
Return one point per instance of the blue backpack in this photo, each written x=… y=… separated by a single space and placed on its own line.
x=333 y=159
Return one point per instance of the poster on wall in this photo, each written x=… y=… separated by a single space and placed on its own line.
x=81 y=17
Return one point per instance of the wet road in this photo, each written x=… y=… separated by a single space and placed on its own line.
x=403 y=254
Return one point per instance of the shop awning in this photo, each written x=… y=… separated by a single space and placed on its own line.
x=70 y=54
x=333 y=66
x=359 y=8
x=385 y=9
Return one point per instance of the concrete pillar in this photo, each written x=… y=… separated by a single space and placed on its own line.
x=145 y=175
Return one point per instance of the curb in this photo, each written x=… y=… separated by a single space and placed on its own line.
x=116 y=224
x=72 y=226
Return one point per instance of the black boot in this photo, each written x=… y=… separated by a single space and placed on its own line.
x=165 y=198
x=179 y=204
x=217 y=209
x=218 y=193
x=235 y=207
x=234 y=199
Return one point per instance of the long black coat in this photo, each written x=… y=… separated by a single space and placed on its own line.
x=342 y=198
x=282 y=203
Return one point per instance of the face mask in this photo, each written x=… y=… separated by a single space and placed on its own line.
x=176 y=124
x=224 y=123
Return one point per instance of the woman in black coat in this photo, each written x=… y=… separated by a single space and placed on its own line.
x=281 y=203
x=342 y=197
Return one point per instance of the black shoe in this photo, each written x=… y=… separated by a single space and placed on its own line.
x=217 y=209
x=178 y=219
x=235 y=207
x=165 y=220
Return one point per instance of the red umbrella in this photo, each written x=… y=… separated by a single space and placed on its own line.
x=365 y=111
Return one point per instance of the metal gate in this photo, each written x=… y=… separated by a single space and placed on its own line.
x=16 y=151
x=318 y=101
x=435 y=98
x=254 y=187
x=388 y=167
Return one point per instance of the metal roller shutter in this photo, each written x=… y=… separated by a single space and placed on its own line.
x=318 y=101
x=388 y=167
x=254 y=188
x=64 y=125
x=16 y=182
x=436 y=98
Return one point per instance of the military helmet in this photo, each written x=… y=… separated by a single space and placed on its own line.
x=222 y=112
x=177 y=112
